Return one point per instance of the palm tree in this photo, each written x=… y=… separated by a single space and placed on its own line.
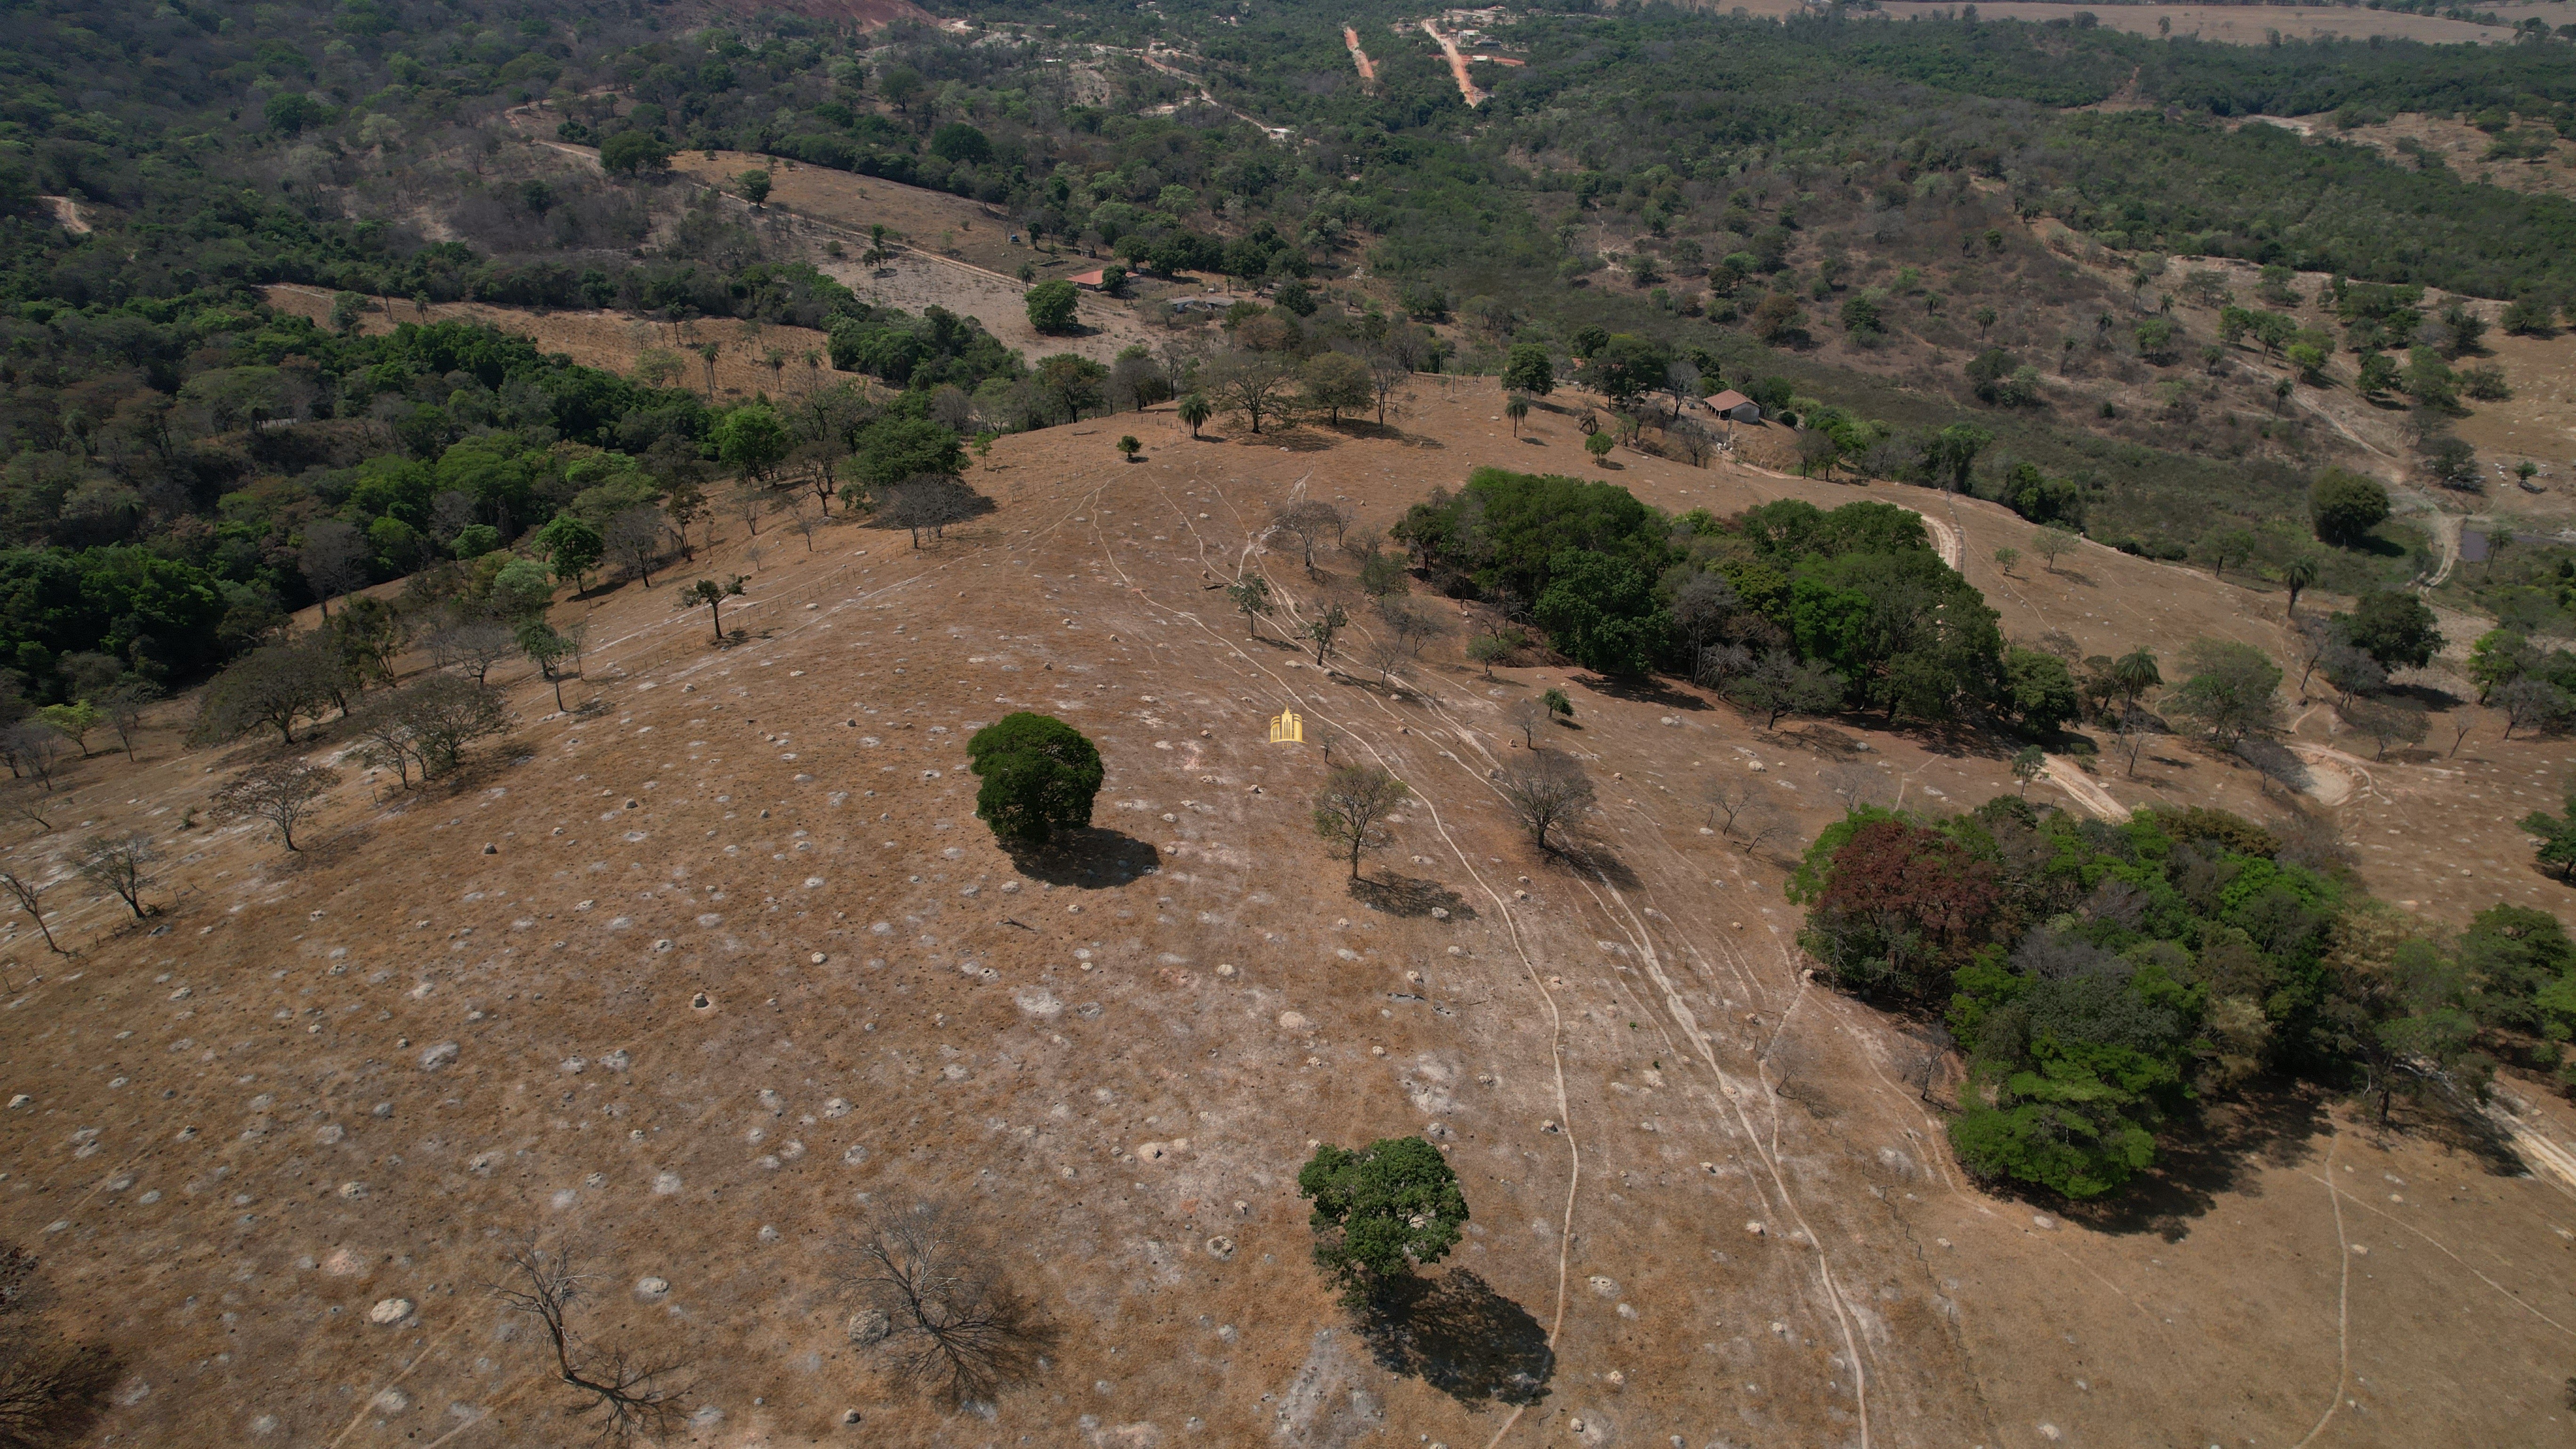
x=2136 y=673
x=1195 y=409
x=1516 y=409
x=2299 y=572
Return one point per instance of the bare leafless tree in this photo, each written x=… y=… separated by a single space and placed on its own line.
x=29 y=897
x=1526 y=715
x=475 y=645
x=333 y=559
x=1763 y=825
x=125 y=705
x=1859 y=785
x=52 y=1390
x=1351 y=809
x=626 y=1392
x=636 y=539
x=1547 y=797
x=1308 y=522
x=2136 y=728
x=451 y=513
x=285 y=793
x=1728 y=796
x=1256 y=385
x=929 y=503
x=949 y=1323
x=36 y=751
x=805 y=520
x=120 y=865
x=751 y=501
x=388 y=741
x=1411 y=627
x=25 y=802
x=1385 y=651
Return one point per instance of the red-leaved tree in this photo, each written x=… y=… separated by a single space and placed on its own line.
x=1902 y=907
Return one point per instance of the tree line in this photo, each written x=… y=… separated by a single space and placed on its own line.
x=2108 y=983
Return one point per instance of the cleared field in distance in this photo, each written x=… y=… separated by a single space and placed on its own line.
x=2234 y=24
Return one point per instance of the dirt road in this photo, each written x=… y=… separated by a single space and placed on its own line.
x=1467 y=86
x=1359 y=57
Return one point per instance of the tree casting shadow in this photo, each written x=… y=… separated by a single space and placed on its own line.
x=2272 y=1125
x=1091 y=858
x=1458 y=1335
x=1401 y=896
x=1648 y=690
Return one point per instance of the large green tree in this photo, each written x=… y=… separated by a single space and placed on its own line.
x=1052 y=306
x=1040 y=777
x=2346 y=506
x=1380 y=1212
x=2396 y=629
x=1528 y=369
x=1602 y=613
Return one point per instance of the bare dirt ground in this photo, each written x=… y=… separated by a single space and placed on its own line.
x=2461 y=146
x=913 y=282
x=955 y=253
x=740 y=967
x=950 y=226
x=614 y=340
x=2235 y=24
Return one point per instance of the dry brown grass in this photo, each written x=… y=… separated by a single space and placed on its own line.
x=614 y=341
x=820 y=992
x=2234 y=24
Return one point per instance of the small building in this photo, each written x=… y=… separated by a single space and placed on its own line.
x=1090 y=281
x=1734 y=405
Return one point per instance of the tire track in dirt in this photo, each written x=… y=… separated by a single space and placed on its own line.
x=1380 y=751
x=1641 y=940
x=2343 y=1307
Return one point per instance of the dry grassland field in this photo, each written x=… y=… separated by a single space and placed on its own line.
x=2238 y=24
x=701 y=975
x=616 y=340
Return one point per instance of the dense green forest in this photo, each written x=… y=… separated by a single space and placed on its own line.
x=179 y=466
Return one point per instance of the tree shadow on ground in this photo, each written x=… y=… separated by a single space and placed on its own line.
x=2457 y=1124
x=1091 y=858
x=2272 y=1124
x=2276 y=763
x=1824 y=739
x=338 y=850
x=1298 y=439
x=1592 y=858
x=1356 y=427
x=1643 y=691
x=1456 y=1334
x=1403 y=896
x=2433 y=697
